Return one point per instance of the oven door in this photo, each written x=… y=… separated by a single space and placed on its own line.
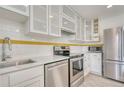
x=76 y=68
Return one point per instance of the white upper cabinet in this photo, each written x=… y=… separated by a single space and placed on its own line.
x=78 y=28
x=88 y=30
x=82 y=29
x=68 y=13
x=68 y=19
x=68 y=26
x=39 y=19
x=20 y=9
x=19 y=13
x=96 y=33
x=55 y=20
x=45 y=20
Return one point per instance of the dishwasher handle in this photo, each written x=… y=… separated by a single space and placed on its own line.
x=57 y=64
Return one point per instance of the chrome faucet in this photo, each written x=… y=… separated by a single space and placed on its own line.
x=5 y=56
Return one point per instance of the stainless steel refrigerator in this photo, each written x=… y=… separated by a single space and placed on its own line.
x=113 y=63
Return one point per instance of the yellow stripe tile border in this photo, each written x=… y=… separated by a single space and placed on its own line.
x=48 y=43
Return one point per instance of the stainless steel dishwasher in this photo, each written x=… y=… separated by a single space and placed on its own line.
x=56 y=74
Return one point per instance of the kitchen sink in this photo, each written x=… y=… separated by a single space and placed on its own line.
x=7 y=64
x=16 y=63
x=25 y=62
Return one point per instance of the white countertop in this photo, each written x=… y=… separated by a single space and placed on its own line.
x=40 y=60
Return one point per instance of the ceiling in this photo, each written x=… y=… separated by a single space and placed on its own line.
x=91 y=11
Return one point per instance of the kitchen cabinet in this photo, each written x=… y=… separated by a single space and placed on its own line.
x=93 y=63
x=35 y=82
x=18 y=13
x=96 y=63
x=96 y=33
x=38 y=21
x=68 y=12
x=30 y=77
x=78 y=28
x=20 y=77
x=82 y=30
x=55 y=20
x=87 y=30
x=86 y=64
x=68 y=19
x=4 y=80
x=45 y=20
x=20 y=9
x=91 y=30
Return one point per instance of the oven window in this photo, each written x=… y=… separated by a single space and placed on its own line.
x=77 y=67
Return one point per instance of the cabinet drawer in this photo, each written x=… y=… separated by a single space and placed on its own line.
x=38 y=83
x=4 y=80
x=35 y=82
x=24 y=75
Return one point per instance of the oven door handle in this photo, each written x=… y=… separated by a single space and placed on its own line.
x=75 y=59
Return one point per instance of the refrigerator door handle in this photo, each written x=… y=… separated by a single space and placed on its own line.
x=120 y=44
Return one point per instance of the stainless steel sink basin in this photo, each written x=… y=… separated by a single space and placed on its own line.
x=25 y=62
x=16 y=63
x=7 y=64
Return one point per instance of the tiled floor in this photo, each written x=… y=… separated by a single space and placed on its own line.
x=97 y=81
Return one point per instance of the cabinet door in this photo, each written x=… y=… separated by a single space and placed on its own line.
x=68 y=25
x=78 y=28
x=4 y=80
x=68 y=12
x=86 y=64
x=54 y=20
x=38 y=83
x=96 y=34
x=25 y=75
x=88 y=29
x=22 y=9
x=35 y=82
x=82 y=30
x=96 y=63
x=39 y=19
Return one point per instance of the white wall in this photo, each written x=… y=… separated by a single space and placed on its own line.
x=111 y=22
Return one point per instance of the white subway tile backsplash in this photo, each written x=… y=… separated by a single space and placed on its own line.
x=30 y=50
x=16 y=30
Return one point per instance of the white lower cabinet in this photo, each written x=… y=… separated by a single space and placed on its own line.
x=35 y=82
x=86 y=64
x=93 y=63
x=4 y=80
x=30 y=77
x=96 y=63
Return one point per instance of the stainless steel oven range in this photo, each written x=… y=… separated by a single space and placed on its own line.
x=76 y=70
